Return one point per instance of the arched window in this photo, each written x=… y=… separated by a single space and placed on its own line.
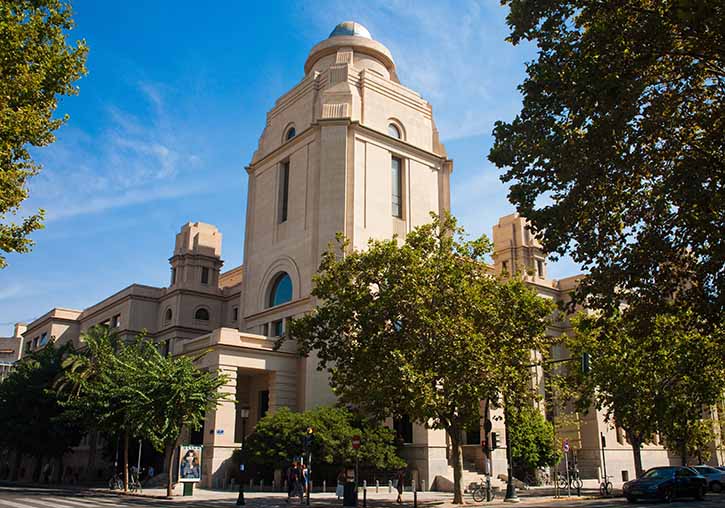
x=394 y=131
x=281 y=290
x=202 y=315
x=291 y=132
x=168 y=315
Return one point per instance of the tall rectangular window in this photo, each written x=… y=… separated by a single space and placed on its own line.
x=204 y=275
x=283 y=191
x=397 y=186
x=173 y=276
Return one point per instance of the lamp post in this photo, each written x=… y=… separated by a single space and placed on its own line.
x=511 y=496
x=244 y=414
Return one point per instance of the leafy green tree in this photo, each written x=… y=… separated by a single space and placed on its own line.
x=533 y=440
x=31 y=416
x=649 y=376
x=176 y=395
x=37 y=65
x=617 y=156
x=422 y=329
x=278 y=437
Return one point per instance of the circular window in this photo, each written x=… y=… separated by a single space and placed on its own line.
x=291 y=133
x=202 y=315
x=281 y=290
x=394 y=131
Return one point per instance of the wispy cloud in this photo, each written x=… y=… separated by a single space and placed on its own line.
x=133 y=160
x=453 y=53
x=9 y=292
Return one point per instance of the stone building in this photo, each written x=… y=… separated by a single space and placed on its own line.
x=348 y=149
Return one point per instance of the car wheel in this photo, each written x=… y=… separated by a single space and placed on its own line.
x=631 y=499
x=700 y=493
x=667 y=495
x=716 y=486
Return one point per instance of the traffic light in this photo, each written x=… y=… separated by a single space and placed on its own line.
x=307 y=440
x=586 y=363
x=494 y=440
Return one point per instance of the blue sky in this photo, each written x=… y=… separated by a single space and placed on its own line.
x=173 y=106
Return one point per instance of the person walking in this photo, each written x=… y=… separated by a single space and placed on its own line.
x=401 y=485
x=340 y=489
x=305 y=478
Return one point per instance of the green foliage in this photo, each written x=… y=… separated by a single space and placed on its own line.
x=617 y=154
x=134 y=389
x=278 y=437
x=32 y=419
x=650 y=375
x=37 y=65
x=533 y=439
x=422 y=328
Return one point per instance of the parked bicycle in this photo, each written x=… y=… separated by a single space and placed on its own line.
x=479 y=491
x=134 y=484
x=573 y=483
x=116 y=482
x=606 y=488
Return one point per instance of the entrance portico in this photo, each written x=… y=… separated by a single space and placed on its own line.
x=259 y=378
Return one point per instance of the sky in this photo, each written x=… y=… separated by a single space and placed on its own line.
x=172 y=108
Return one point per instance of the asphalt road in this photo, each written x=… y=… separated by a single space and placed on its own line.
x=16 y=497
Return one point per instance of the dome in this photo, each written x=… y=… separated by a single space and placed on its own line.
x=350 y=28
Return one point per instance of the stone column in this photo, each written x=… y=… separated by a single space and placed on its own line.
x=282 y=390
x=219 y=434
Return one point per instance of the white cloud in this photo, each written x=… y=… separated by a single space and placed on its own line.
x=133 y=160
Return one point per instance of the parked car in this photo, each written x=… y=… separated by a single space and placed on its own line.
x=714 y=476
x=721 y=468
x=666 y=483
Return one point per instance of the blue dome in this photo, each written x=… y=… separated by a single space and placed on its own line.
x=351 y=28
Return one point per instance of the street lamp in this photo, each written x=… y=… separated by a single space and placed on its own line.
x=511 y=496
x=243 y=414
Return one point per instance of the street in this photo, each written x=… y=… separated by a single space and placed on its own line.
x=16 y=497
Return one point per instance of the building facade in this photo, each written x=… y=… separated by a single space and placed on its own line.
x=348 y=149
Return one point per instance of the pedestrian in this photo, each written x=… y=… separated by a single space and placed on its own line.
x=340 y=489
x=305 y=478
x=292 y=479
x=401 y=485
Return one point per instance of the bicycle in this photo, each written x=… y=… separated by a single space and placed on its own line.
x=574 y=482
x=479 y=491
x=134 y=484
x=115 y=482
x=606 y=488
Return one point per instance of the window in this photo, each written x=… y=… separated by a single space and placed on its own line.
x=169 y=314
x=116 y=321
x=278 y=328
x=264 y=329
x=397 y=180
x=35 y=342
x=283 y=191
x=263 y=403
x=291 y=132
x=204 y=275
x=44 y=339
x=394 y=131
x=235 y=314
x=173 y=276
x=540 y=267
x=202 y=315
x=505 y=266
x=28 y=346
x=281 y=291
x=403 y=428
x=625 y=476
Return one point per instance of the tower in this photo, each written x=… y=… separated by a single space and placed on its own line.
x=516 y=249
x=348 y=149
x=197 y=257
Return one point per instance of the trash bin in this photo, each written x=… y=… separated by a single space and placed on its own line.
x=349 y=497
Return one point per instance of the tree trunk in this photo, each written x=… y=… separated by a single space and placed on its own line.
x=455 y=434
x=92 y=445
x=169 y=464
x=125 y=461
x=637 y=452
x=683 y=453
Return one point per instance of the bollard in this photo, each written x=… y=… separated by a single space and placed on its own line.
x=251 y=484
x=377 y=486
x=324 y=486
x=365 y=484
x=365 y=495
x=390 y=486
x=415 y=498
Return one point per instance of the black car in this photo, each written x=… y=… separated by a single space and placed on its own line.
x=666 y=483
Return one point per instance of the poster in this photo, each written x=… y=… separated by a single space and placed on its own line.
x=190 y=463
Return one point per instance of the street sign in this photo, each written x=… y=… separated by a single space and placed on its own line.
x=566 y=446
x=356 y=442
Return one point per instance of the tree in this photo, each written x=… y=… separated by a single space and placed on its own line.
x=617 y=156
x=31 y=416
x=177 y=395
x=37 y=65
x=648 y=376
x=533 y=440
x=421 y=329
x=278 y=437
